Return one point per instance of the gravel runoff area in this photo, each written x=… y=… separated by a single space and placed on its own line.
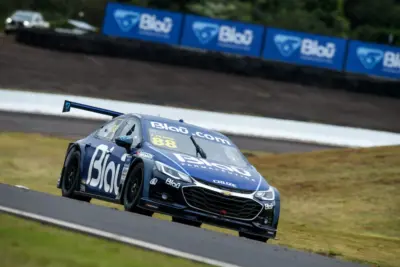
x=29 y=68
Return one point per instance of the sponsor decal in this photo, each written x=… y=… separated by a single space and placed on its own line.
x=205 y=31
x=227 y=36
x=310 y=49
x=191 y=161
x=370 y=57
x=391 y=60
x=172 y=183
x=226 y=193
x=268 y=206
x=126 y=19
x=145 y=155
x=102 y=173
x=148 y=24
x=125 y=170
x=184 y=130
x=224 y=183
x=153 y=181
x=287 y=44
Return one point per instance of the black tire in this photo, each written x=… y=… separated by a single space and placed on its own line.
x=187 y=222
x=253 y=237
x=71 y=178
x=133 y=190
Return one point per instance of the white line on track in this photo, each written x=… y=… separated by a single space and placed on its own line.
x=119 y=238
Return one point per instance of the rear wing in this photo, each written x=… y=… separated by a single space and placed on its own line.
x=68 y=105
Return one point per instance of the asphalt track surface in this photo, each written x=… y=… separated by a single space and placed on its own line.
x=76 y=128
x=201 y=242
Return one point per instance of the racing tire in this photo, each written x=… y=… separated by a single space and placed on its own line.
x=253 y=237
x=71 y=177
x=187 y=222
x=133 y=191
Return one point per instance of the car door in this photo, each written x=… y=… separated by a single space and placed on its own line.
x=106 y=159
x=131 y=127
x=102 y=160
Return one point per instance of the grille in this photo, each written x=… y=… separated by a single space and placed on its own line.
x=214 y=202
x=243 y=191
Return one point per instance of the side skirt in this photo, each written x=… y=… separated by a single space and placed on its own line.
x=113 y=200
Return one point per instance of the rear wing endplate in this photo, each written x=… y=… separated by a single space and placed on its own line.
x=68 y=105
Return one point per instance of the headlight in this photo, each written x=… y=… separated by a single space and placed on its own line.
x=266 y=195
x=26 y=23
x=8 y=20
x=171 y=172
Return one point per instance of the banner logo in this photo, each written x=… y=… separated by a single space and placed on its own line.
x=287 y=44
x=205 y=31
x=126 y=19
x=369 y=57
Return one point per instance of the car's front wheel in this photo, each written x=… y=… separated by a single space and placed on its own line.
x=133 y=190
x=253 y=237
x=71 y=177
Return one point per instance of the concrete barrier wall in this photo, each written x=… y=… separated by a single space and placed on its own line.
x=269 y=128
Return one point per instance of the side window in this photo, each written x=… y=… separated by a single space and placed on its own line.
x=132 y=128
x=108 y=131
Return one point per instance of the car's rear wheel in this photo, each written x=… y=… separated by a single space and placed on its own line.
x=187 y=222
x=253 y=237
x=133 y=190
x=71 y=177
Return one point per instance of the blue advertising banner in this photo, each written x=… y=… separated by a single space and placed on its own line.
x=222 y=35
x=304 y=49
x=373 y=59
x=142 y=23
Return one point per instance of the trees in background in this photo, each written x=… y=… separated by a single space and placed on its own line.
x=367 y=20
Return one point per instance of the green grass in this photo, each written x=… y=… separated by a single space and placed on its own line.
x=343 y=203
x=27 y=243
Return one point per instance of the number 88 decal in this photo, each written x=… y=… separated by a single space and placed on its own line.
x=163 y=141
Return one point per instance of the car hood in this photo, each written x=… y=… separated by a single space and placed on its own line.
x=228 y=176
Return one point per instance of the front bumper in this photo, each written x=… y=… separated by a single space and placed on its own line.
x=169 y=199
x=185 y=212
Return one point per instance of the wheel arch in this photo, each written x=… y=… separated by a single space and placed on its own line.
x=71 y=147
x=132 y=165
x=148 y=166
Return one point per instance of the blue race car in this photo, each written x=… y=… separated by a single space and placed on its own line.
x=153 y=164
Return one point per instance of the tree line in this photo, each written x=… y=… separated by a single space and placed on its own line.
x=366 y=20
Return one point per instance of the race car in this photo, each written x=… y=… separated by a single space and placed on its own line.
x=152 y=164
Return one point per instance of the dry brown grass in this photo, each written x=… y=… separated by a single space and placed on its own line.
x=343 y=203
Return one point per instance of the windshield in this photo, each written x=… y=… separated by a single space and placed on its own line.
x=180 y=142
x=20 y=15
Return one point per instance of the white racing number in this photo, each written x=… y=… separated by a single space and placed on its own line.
x=205 y=164
x=102 y=173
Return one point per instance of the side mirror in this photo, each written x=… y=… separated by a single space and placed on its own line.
x=124 y=141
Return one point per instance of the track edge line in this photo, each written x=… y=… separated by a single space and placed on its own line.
x=114 y=237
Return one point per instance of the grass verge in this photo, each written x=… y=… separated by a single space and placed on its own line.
x=28 y=243
x=341 y=203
